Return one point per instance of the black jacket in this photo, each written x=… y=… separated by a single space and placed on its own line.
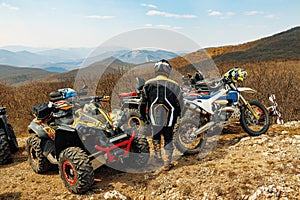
x=163 y=98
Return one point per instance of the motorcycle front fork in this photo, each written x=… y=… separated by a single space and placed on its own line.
x=245 y=102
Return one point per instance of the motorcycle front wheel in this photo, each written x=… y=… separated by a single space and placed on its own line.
x=185 y=140
x=250 y=124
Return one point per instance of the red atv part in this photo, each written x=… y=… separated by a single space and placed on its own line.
x=128 y=142
x=128 y=94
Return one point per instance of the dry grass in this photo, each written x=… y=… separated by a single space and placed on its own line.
x=279 y=78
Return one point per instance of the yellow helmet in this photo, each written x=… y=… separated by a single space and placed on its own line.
x=235 y=74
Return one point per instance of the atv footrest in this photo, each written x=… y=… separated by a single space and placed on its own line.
x=118 y=137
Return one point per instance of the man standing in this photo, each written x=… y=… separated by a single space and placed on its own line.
x=162 y=96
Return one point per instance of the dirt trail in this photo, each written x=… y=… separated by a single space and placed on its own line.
x=238 y=167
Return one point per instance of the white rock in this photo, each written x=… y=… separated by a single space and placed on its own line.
x=297 y=137
x=114 y=195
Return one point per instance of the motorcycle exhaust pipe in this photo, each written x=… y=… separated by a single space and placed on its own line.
x=204 y=128
x=227 y=109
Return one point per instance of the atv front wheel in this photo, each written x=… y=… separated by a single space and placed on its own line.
x=5 y=153
x=38 y=162
x=139 y=153
x=76 y=170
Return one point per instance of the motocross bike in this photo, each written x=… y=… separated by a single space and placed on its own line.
x=274 y=110
x=80 y=148
x=213 y=112
x=8 y=141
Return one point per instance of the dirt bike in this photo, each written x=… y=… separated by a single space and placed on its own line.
x=214 y=111
x=274 y=110
x=80 y=148
x=8 y=141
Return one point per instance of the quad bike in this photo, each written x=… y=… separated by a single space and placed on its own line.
x=83 y=146
x=130 y=105
x=8 y=141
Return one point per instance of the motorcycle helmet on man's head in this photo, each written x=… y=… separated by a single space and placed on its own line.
x=162 y=67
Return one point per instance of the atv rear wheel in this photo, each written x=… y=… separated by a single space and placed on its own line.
x=133 y=117
x=76 y=170
x=5 y=153
x=13 y=143
x=38 y=162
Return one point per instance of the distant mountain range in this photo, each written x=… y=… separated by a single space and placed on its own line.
x=59 y=60
x=279 y=47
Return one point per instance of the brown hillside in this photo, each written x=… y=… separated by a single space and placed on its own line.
x=282 y=46
x=17 y=75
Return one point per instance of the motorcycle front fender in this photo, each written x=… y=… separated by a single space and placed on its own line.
x=246 y=89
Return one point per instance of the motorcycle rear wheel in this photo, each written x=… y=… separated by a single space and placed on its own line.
x=252 y=126
x=184 y=142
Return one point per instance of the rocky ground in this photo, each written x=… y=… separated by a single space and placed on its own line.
x=237 y=167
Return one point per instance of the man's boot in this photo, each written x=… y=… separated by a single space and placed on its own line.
x=168 y=162
x=157 y=152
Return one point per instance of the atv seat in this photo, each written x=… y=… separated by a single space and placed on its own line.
x=64 y=121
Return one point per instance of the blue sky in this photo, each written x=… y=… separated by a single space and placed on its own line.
x=79 y=23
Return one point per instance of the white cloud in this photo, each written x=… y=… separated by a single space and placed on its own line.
x=165 y=26
x=100 y=17
x=214 y=13
x=227 y=15
x=8 y=6
x=148 y=5
x=253 y=12
x=271 y=16
x=219 y=14
x=166 y=14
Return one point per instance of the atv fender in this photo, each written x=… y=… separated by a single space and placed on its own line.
x=38 y=130
x=65 y=137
